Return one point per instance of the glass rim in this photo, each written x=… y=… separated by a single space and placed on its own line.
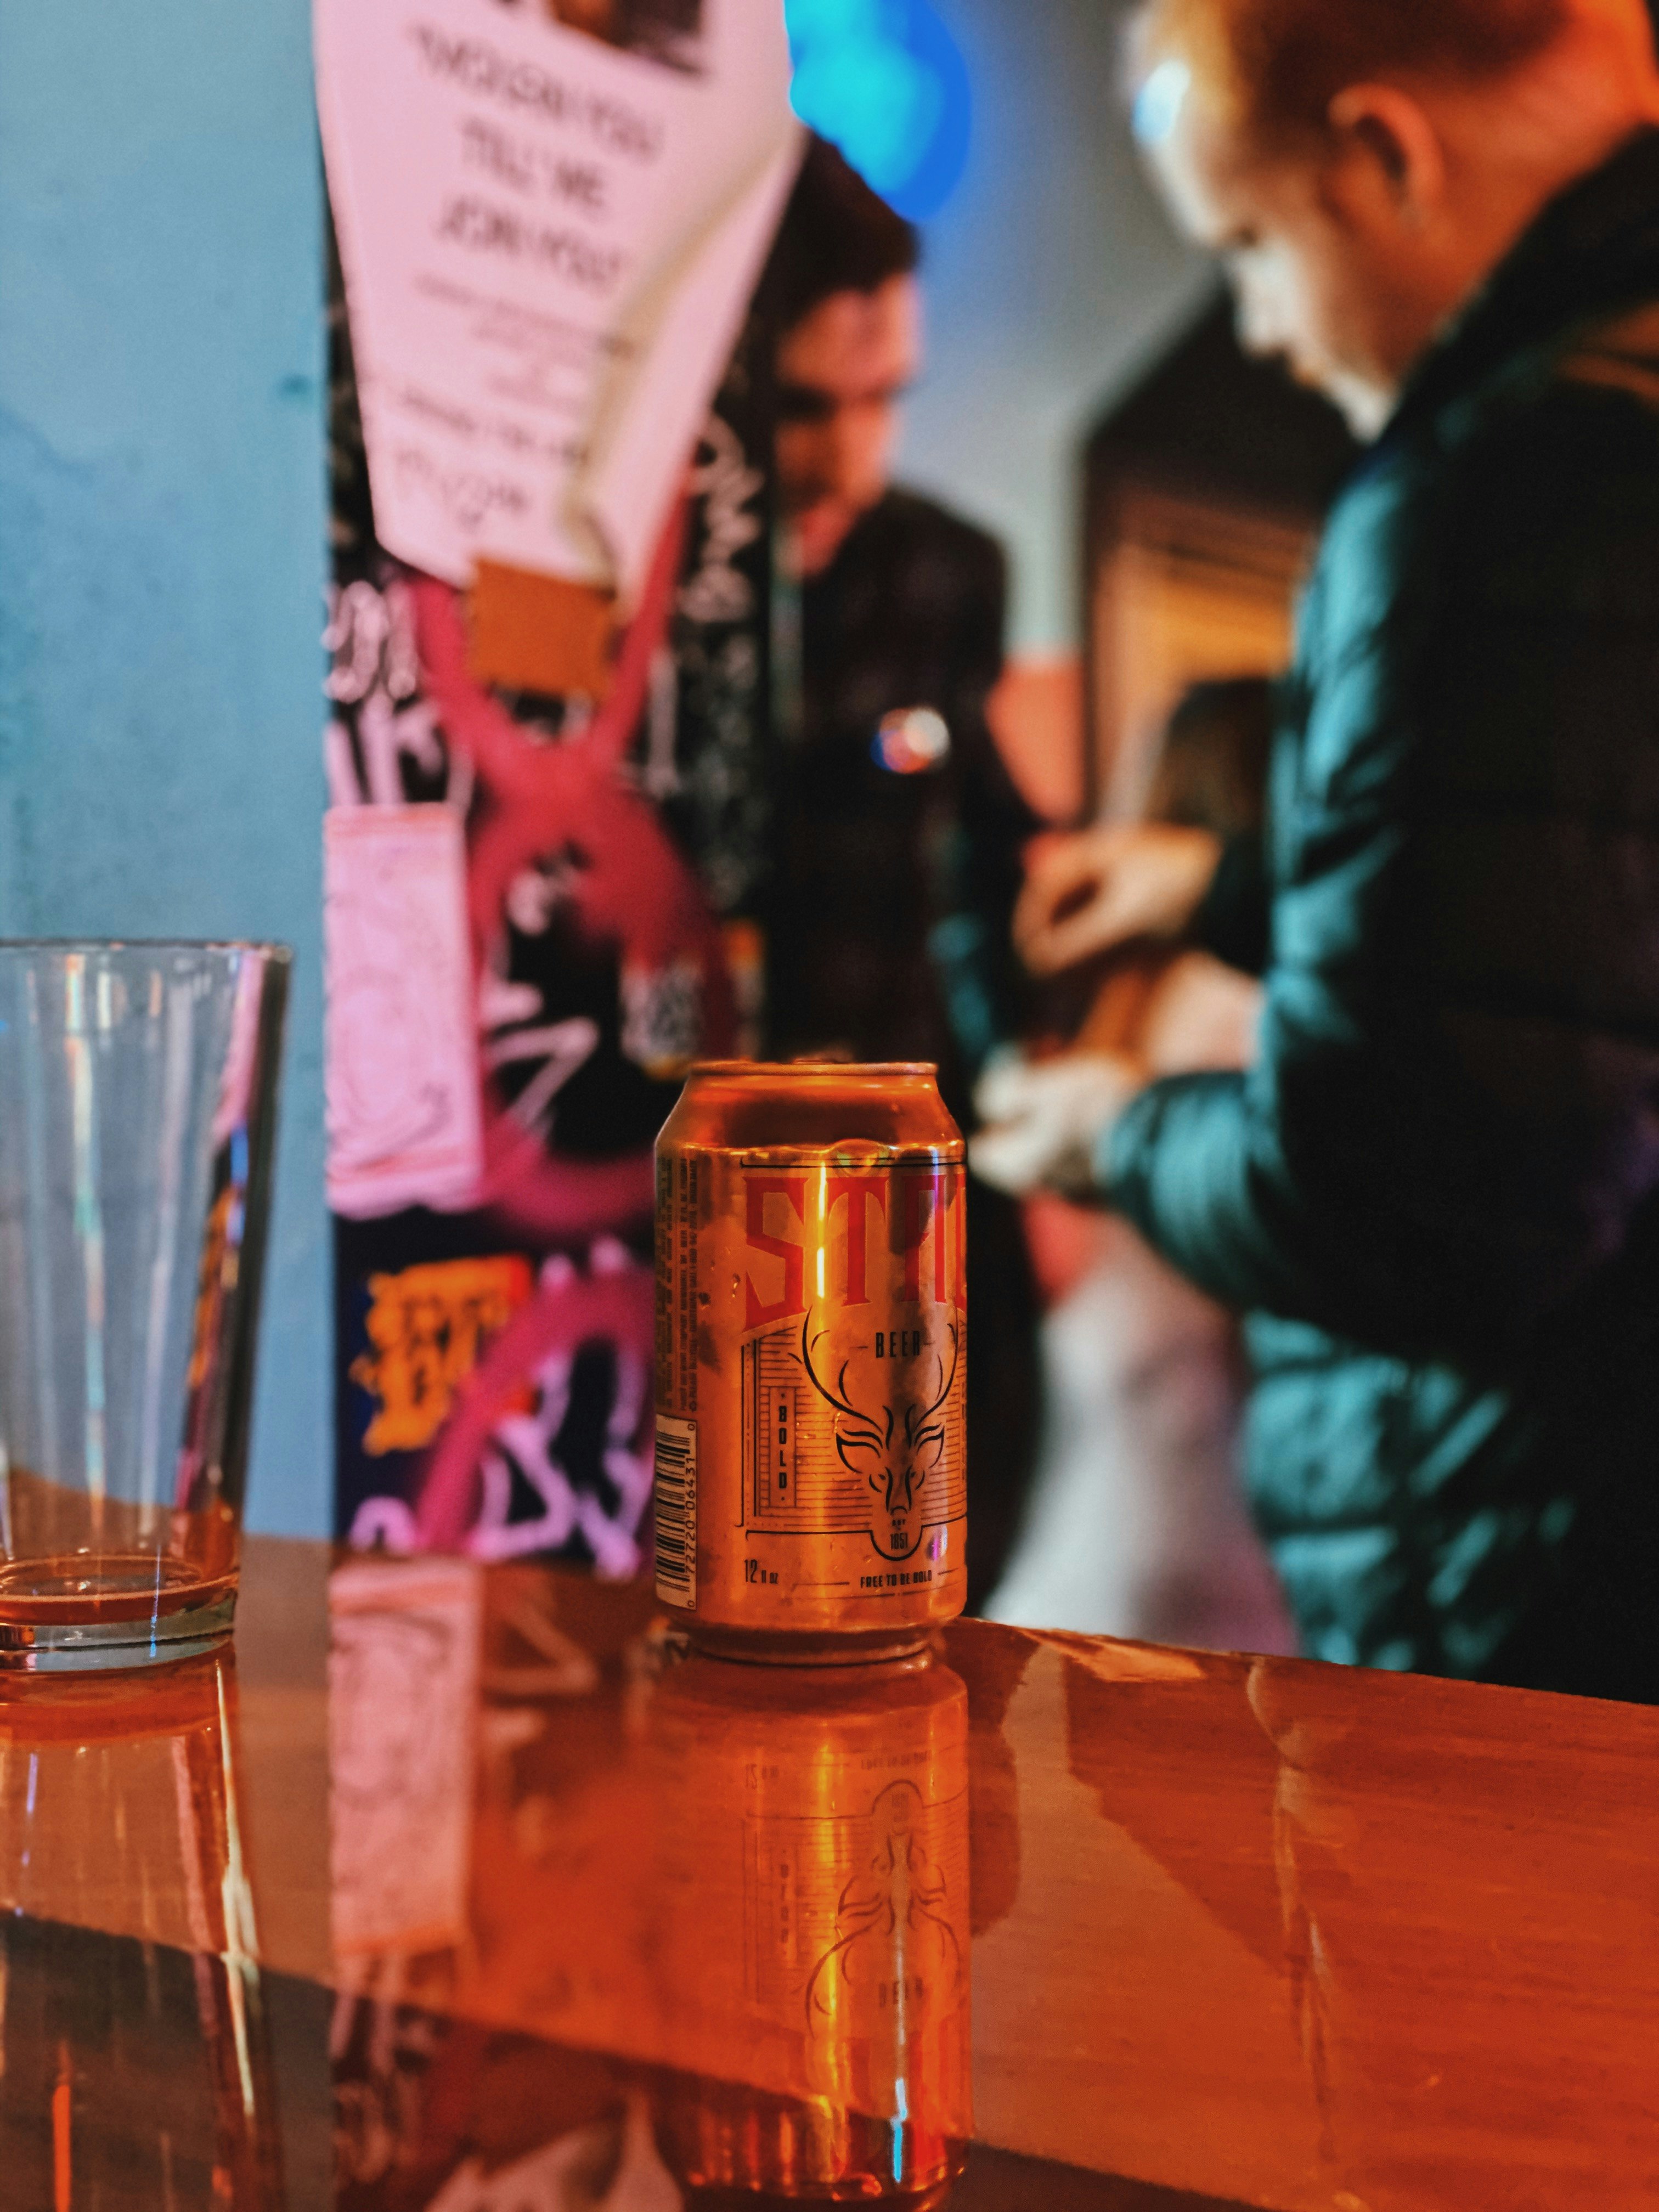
x=271 y=947
x=770 y=1070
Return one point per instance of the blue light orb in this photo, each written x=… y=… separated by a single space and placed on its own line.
x=885 y=82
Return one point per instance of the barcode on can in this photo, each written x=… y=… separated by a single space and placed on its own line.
x=676 y=1512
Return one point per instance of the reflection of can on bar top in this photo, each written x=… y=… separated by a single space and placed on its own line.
x=810 y=1934
x=812 y=1359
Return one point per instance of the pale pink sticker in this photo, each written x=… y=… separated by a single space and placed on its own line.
x=403 y=1119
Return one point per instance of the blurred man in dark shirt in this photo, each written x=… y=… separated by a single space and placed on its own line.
x=897 y=829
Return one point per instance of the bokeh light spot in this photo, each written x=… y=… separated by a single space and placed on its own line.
x=884 y=81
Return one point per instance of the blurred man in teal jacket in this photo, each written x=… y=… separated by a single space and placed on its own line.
x=1436 y=1191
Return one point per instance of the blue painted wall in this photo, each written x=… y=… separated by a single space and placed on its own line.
x=1052 y=277
x=161 y=535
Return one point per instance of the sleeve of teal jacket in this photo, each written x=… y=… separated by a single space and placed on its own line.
x=1233 y=922
x=1451 y=1120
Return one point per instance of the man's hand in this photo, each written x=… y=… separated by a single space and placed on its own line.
x=1086 y=893
x=1045 y=1119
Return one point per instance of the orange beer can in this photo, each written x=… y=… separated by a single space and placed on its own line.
x=812 y=1360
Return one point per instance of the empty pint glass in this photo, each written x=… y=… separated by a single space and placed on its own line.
x=138 y=1111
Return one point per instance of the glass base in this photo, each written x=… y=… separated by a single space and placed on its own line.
x=70 y=1646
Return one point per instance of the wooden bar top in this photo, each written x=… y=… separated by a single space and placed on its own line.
x=605 y=1927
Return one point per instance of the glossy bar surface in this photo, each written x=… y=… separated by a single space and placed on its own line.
x=1086 y=1924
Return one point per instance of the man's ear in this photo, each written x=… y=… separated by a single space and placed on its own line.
x=1397 y=147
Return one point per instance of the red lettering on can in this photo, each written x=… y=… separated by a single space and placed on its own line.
x=760 y=1315
x=926 y=1202
x=855 y=1189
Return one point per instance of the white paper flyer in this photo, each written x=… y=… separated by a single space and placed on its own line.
x=549 y=235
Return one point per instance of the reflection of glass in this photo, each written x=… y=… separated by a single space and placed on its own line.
x=134 y=2055
x=815 y=1933
x=137 y=1103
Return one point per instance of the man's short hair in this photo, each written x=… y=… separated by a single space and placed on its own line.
x=1283 y=62
x=837 y=235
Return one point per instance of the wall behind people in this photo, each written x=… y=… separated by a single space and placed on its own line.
x=1051 y=276
x=161 y=546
